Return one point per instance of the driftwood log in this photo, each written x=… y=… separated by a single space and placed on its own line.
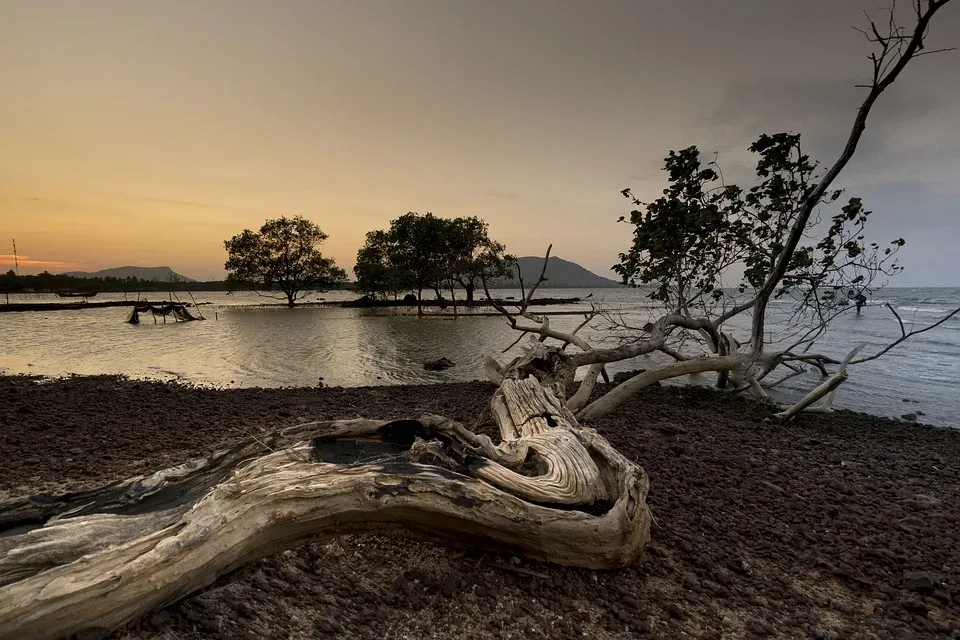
x=90 y=562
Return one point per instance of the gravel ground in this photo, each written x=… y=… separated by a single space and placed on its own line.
x=839 y=526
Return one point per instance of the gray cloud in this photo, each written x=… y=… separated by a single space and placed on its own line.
x=906 y=163
x=821 y=111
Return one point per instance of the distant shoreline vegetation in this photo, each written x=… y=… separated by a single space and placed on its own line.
x=561 y=274
x=46 y=282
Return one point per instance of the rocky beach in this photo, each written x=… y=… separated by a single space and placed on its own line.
x=836 y=526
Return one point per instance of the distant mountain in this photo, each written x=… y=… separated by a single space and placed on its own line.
x=561 y=274
x=150 y=274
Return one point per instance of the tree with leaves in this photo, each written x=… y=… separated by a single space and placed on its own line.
x=415 y=252
x=789 y=233
x=473 y=256
x=419 y=252
x=284 y=255
x=376 y=275
x=10 y=283
x=686 y=240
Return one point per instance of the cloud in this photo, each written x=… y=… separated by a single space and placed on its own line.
x=188 y=203
x=822 y=112
x=500 y=195
x=200 y=204
x=906 y=205
x=905 y=166
x=7 y=261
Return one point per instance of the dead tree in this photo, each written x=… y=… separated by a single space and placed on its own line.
x=549 y=490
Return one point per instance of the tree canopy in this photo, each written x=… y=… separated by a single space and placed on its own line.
x=686 y=240
x=473 y=256
x=284 y=255
x=419 y=252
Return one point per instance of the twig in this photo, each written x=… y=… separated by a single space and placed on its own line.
x=508 y=567
x=785 y=378
x=515 y=342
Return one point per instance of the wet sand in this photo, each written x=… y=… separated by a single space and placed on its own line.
x=839 y=526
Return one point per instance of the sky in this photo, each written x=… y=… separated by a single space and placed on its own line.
x=147 y=133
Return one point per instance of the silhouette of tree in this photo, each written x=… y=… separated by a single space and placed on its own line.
x=375 y=273
x=473 y=256
x=283 y=255
x=10 y=283
x=684 y=241
x=422 y=251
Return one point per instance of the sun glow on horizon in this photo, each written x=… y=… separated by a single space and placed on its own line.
x=30 y=266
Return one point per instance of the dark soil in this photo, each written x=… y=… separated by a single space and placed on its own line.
x=840 y=526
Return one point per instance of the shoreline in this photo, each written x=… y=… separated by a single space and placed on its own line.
x=362 y=302
x=600 y=388
x=835 y=526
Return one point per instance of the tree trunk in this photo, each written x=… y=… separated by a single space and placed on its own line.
x=550 y=490
x=757 y=325
x=469 y=288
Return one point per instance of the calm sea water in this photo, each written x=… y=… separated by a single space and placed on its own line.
x=244 y=345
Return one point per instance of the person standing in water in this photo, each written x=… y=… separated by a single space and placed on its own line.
x=858 y=298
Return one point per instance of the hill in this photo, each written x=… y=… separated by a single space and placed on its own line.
x=561 y=274
x=150 y=274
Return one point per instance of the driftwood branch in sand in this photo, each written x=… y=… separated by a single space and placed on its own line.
x=550 y=490
x=828 y=388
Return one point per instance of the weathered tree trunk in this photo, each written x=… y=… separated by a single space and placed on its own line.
x=612 y=399
x=551 y=490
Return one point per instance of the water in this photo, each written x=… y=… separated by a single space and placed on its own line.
x=244 y=345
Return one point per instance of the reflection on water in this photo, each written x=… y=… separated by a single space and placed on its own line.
x=245 y=344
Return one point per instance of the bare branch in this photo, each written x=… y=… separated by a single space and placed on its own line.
x=587 y=318
x=906 y=336
x=843 y=367
x=903 y=330
x=515 y=342
x=792 y=374
x=933 y=51
x=604 y=405
x=496 y=305
x=541 y=279
x=676 y=355
x=812 y=397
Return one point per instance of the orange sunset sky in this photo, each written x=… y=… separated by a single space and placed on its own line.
x=146 y=133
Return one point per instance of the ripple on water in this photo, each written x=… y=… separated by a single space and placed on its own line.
x=244 y=345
